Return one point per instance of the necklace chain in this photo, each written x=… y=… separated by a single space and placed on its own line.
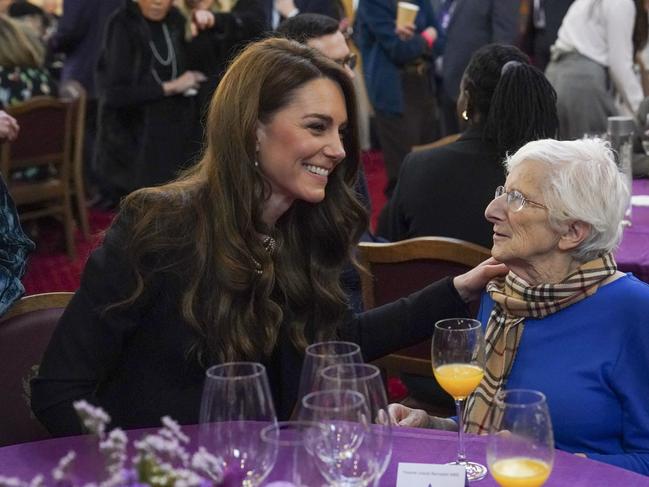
x=171 y=55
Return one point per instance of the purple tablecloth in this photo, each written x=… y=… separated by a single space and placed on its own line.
x=410 y=445
x=633 y=254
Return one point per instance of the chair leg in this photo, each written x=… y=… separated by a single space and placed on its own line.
x=68 y=224
x=80 y=198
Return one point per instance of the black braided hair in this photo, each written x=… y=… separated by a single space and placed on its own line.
x=517 y=104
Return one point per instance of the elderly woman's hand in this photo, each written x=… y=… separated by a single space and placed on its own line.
x=470 y=284
x=8 y=127
x=401 y=415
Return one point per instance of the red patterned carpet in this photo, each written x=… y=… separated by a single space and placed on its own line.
x=49 y=268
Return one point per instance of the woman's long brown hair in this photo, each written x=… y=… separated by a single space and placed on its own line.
x=203 y=229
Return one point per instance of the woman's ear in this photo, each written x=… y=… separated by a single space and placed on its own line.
x=574 y=234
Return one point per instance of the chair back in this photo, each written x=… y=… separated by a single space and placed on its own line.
x=25 y=331
x=73 y=92
x=401 y=268
x=44 y=140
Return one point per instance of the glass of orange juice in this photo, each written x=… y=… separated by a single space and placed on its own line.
x=520 y=450
x=458 y=359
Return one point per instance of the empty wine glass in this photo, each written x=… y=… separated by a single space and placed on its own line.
x=343 y=455
x=295 y=466
x=366 y=379
x=458 y=359
x=320 y=355
x=520 y=450
x=236 y=406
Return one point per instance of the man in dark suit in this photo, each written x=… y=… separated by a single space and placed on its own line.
x=471 y=24
x=544 y=22
x=79 y=36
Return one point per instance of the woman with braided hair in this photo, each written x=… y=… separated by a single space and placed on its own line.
x=505 y=102
x=564 y=320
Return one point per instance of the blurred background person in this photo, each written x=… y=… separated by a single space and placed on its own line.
x=398 y=70
x=469 y=25
x=277 y=11
x=22 y=71
x=78 y=37
x=235 y=24
x=594 y=52
x=14 y=244
x=544 y=20
x=148 y=116
x=443 y=191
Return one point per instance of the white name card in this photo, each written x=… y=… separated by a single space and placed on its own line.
x=430 y=475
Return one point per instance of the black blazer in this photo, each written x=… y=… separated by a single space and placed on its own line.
x=444 y=192
x=475 y=23
x=135 y=362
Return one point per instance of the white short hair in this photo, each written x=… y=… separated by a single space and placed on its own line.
x=584 y=183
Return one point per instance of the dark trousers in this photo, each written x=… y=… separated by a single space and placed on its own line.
x=418 y=124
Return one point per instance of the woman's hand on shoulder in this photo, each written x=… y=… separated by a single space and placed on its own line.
x=470 y=284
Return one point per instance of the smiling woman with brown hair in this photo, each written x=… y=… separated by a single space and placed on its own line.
x=239 y=259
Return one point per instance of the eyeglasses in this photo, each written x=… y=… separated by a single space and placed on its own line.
x=515 y=199
x=348 y=61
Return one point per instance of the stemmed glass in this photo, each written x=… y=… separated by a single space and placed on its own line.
x=296 y=466
x=366 y=379
x=320 y=355
x=343 y=455
x=458 y=359
x=520 y=450
x=236 y=406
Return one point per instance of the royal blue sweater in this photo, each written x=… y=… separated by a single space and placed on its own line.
x=591 y=360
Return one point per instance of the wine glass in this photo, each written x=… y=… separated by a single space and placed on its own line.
x=458 y=359
x=295 y=466
x=366 y=379
x=343 y=455
x=236 y=406
x=320 y=355
x=520 y=450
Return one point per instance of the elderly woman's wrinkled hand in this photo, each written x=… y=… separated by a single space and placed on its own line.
x=470 y=284
x=8 y=127
x=401 y=415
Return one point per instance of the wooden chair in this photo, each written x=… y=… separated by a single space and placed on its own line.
x=400 y=268
x=449 y=139
x=25 y=331
x=44 y=140
x=73 y=92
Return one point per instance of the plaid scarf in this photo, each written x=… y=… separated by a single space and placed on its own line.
x=516 y=300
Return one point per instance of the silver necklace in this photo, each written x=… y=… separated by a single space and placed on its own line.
x=270 y=244
x=171 y=55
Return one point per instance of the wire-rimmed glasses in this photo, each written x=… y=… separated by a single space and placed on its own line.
x=516 y=201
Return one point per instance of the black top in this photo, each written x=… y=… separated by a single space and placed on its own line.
x=134 y=362
x=144 y=137
x=444 y=192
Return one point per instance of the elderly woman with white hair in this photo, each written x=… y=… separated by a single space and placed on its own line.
x=564 y=320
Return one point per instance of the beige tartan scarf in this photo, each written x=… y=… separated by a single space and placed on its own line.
x=516 y=300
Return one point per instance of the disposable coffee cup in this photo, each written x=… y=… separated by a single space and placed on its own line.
x=406 y=13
